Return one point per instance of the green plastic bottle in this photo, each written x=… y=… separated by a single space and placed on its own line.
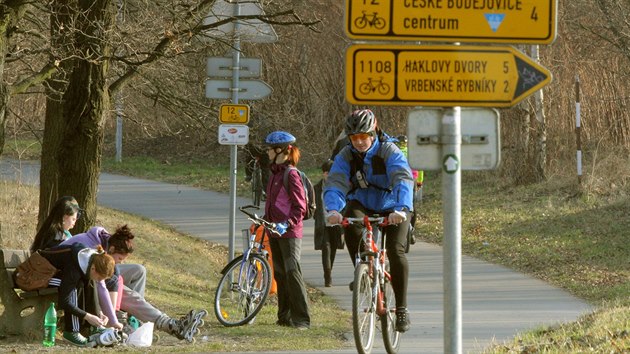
x=50 y=326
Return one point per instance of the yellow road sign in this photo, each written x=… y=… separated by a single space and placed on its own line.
x=490 y=21
x=234 y=113
x=445 y=76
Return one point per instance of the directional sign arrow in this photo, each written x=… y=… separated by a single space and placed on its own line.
x=504 y=21
x=224 y=67
x=247 y=90
x=451 y=163
x=445 y=76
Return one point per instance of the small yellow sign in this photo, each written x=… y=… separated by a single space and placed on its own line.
x=234 y=113
x=445 y=76
x=489 y=21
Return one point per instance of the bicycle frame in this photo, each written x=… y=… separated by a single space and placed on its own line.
x=372 y=292
x=370 y=251
x=244 y=285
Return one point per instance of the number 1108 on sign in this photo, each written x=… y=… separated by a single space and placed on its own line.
x=374 y=75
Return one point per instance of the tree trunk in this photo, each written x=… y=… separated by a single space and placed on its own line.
x=54 y=122
x=78 y=145
x=10 y=13
x=540 y=150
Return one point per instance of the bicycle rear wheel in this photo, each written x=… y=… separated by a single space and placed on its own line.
x=257 y=187
x=391 y=338
x=363 y=310
x=242 y=290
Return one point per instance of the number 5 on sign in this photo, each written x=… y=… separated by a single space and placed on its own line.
x=234 y=113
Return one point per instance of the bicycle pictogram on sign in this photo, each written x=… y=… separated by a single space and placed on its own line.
x=372 y=20
x=374 y=85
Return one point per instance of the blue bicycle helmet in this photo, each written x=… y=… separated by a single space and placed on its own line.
x=279 y=139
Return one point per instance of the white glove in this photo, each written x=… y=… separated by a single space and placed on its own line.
x=396 y=217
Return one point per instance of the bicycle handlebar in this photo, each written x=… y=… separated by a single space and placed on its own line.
x=271 y=226
x=380 y=220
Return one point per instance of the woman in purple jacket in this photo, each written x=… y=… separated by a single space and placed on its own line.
x=287 y=208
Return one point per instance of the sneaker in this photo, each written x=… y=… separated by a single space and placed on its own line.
x=187 y=326
x=351 y=285
x=402 y=320
x=105 y=337
x=75 y=338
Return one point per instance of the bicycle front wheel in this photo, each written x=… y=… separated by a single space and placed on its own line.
x=242 y=290
x=391 y=338
x=363 y=310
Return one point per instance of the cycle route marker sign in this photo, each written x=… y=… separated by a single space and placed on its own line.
x=485 y=21
x=440 y=75
x=234 y=113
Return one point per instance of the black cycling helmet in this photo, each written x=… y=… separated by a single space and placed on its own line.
x=360 y=121
x=279 y=139
x=402 y=139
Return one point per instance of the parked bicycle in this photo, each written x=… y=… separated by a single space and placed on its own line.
x=372 y=292
x=244 y=286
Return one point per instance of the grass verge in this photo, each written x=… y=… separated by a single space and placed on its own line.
x=183 y=272
x=555 y=231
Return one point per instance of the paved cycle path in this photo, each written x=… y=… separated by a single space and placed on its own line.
x=497 y=302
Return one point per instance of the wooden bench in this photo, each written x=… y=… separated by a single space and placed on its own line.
x=24 y=311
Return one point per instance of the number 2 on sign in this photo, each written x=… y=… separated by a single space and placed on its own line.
x=371 y=2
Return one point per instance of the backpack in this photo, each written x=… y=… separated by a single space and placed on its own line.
x=309 y=192
x=357 y=176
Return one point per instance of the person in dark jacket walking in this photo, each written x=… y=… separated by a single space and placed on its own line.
x=287 y=208
x=327 y=239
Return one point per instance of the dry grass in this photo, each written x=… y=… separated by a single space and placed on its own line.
x=183 y=273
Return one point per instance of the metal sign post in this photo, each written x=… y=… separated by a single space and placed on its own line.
x=452 y=210
x=236 y=55
x=230 y=87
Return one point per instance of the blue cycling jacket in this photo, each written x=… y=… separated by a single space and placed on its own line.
x=390 y=182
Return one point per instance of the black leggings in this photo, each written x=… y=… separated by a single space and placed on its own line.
x=395 y=245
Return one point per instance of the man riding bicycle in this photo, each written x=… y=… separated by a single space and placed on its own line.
x=372 y=176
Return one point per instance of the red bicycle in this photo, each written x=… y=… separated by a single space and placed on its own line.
x=372 y=293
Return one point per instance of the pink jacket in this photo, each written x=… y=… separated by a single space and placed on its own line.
x=286 y=206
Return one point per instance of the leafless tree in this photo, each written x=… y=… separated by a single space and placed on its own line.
x=73 y=135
